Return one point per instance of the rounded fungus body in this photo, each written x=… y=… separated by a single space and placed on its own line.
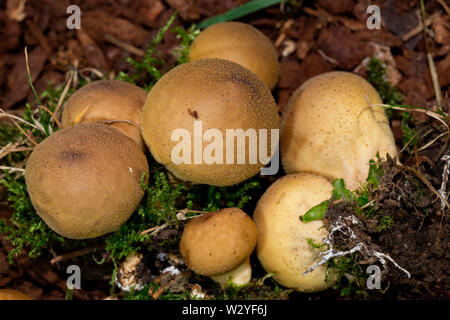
x=114 y=103
x=241 y=43
x=219 y=244
x=10 y=294
x=332 y=128
x=194 y=109
x=85 y=181
x=283 y=247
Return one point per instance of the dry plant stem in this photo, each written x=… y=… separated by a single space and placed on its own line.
x=342 y=227
x=64 y=93
x=124 y=45
x=441 y=118
x=96 y=72
x=12 y=169
x=428 y=184
x=434 y=77
x=419 y=28
x=53 y=116
x=20 y=128
x=74 y=254
x=432 y=141
x=11 y=116
x=445 y=174
x=162 y=289
x=181 y=216
x=444 y=5
x=8 y=148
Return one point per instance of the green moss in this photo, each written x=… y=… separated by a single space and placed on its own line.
x=25 y=229
x=210 y=198
x=377 y=76
x=158 y=206
x=349 y=275
x=152 y=66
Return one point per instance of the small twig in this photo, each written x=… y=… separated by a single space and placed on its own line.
x=64 y=93
x=368 y=204
x=327 y=58
x=20 y=128
x=9 y=115
x=444 y=5
x=163 y=288
x=409 y=142
x=13 y=147
x=434 y=77
x=433 y=141
x=124 y=45
x=12 y=169
x=181 y=216
x=96 y=72
x=419 y=28
x=53 y=116
x=445 y=174
x=74 y=254
x=428 y=184
x=432 y=114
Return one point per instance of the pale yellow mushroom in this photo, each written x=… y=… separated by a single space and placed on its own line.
x=332 y=128
x=283 y=247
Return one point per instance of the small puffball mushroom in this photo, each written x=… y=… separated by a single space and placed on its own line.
x=283 y=248
x=219 y=245
x=111 y=102
x=241 y=43
x=330 y=128
x=10 y=294
x=85 y=181
x=217 y=97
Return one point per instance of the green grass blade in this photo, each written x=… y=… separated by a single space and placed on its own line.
x=238 y=12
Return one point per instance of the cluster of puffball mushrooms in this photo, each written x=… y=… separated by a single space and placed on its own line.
x=85 y=180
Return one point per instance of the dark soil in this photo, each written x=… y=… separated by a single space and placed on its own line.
x=312 y=38
x=418 y=239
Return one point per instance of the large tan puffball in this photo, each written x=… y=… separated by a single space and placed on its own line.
x=329 y=128
x=210 y=96
x=85 y=181
x=114 y=103
x=241 y=43
x=283 y=247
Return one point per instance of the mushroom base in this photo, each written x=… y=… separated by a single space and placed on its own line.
x=238 y=276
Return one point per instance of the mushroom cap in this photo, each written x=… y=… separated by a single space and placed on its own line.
x=85 y=181
x=222 y=95
x=10 y=294
x=282 y=247
x=218 y=242
x=330 y=129
x=241 y=43
x=108 y=100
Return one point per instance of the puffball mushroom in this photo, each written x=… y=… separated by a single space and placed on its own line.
x=219 y=97
x=219 y=245
x=85 y=181
x=282 y=247
x=330 y=128
x=241 y=43
x=112 y=102
x=10 y=294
